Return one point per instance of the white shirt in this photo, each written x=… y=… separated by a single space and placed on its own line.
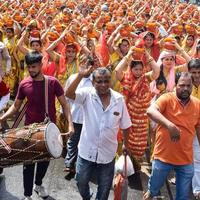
x=98 y=141
x=76 y=109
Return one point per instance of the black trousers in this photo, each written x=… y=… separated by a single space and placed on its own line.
x=28 y=176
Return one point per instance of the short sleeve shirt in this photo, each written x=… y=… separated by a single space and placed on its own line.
x=185 y=117
x=33 y=91
x=98 y=141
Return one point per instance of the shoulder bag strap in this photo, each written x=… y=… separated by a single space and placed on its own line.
x=46 y=92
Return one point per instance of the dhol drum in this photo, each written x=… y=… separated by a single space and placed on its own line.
x=33 y=143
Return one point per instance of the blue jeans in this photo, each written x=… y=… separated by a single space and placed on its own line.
x=72 y=146
x=160 y=171
x=104 y=174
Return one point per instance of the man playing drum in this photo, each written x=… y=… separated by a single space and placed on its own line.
x=32 y=88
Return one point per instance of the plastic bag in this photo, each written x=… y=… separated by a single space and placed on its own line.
x=119 y=166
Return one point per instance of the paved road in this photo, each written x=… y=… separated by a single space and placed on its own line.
x=11 y=185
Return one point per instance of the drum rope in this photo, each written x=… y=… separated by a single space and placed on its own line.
x=22 y=150
x=33 y=161
x=3 y=143
x=31 y=128
x=21 y=160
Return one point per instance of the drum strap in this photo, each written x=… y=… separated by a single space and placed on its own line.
x=46 y=91
x=20 y=116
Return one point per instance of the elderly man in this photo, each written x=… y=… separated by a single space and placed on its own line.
x=104 y=111
x=174 y=138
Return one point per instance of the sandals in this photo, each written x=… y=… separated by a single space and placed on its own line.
x=147 y=196
x=68 y=169
x=70 y=173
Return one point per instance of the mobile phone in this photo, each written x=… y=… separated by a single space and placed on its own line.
x=90 y=61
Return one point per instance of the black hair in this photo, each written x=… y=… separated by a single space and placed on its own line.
x=62 y=8
x=198 y=47
x=138 y=32
x=178 y=75
x=191 y=36
x=149 y=34
x=10 y=29
x=124 y=40
x=33 y=57
x=147 y=15
x=178 y=38
x=194 y=63
x=161 y=80
x=104 y=27
x=38 y=41
x=134 y=63
x=101 y=71
x=162 y=76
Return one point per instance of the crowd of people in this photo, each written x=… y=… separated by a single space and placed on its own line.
x=126 y=74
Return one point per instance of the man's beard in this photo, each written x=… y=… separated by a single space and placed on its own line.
x=184 y=97
x=35 y=75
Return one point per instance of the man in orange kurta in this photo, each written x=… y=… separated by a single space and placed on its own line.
x=178 y=118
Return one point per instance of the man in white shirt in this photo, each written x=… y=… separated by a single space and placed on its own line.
x=77 y=118
x=104 y=112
